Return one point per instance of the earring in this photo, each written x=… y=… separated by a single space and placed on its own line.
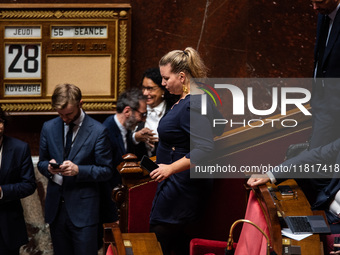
x=162 y=95
x=185 y=89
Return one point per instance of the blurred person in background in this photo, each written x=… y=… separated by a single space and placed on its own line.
x=17 y=181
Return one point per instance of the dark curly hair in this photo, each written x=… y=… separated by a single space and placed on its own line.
x=130 y=98
x=155 y=75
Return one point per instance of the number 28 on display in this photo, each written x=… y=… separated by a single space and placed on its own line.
x=22 y=61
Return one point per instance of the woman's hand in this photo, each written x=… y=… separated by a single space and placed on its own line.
x=161 y=173
x=165 y=171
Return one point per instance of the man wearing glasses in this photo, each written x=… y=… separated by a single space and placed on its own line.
x=131 y=110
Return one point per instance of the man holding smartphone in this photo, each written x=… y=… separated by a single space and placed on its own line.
x=80 y=145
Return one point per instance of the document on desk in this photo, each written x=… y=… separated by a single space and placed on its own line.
x=298 y=237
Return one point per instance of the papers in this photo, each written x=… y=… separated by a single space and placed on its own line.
x=288 y=233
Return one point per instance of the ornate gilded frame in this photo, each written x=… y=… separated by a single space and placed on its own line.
x=84 y=44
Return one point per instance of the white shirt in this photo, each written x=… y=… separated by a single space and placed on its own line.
x=123 y=131
x=154 y=116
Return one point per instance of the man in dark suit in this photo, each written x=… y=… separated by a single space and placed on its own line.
x=324 y=147
x=81 y=145
x=325 y=162
x=131 y=110
x=325 y=100
x=17 y=181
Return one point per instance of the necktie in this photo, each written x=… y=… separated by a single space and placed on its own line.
x=68 y=144
x=322 y=44
x=127 y=141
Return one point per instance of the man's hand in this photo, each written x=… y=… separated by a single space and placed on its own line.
x=53 y=170
x=146 y=135
x=258 y=179
x=68 y=168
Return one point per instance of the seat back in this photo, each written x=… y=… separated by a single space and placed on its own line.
x=134 y=196
x=140 y=203
x=251 y=240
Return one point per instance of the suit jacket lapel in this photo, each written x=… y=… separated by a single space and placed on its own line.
x=332 y=37
x=58 y=138
x=318 y=32
x=7 y=153
x=83 y=132
x=119 y=137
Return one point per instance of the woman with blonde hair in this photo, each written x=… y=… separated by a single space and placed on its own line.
x=184 y=137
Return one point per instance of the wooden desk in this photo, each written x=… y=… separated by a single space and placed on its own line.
x=140 y=243
x=292 y=206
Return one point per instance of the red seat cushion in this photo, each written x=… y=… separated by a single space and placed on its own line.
x=205 y=247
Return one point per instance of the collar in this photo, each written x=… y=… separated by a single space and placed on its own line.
x=333 y=13
x=159 y=109
x=122 y=129
x=80 y=119
x=78 y=122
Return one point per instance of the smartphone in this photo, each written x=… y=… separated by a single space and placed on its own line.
x=55 y=165
x=148 y=164
x=286 y=190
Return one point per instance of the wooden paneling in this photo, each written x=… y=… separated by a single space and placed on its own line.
x=235 y=38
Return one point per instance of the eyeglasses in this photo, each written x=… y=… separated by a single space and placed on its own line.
x=149 y=89
x=143 y=114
